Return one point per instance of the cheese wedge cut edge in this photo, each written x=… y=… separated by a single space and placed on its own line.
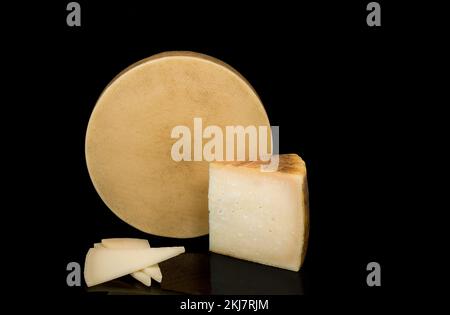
x=260 y=216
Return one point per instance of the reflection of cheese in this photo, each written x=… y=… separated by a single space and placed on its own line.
x=103 y=264
x=260 y=216
x=133 y=243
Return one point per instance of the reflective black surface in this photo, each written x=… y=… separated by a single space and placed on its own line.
x=209 y=273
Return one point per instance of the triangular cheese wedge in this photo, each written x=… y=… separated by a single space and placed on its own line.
x=103 y=264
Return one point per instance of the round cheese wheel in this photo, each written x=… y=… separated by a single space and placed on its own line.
x=128 y=140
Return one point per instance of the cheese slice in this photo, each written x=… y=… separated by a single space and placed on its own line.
x=154 y=272
x=260 y=216
x=103 y=264
x=142 y=277
x=125 y=243
x=138 y=275
x=133 y=243
x=129 y=138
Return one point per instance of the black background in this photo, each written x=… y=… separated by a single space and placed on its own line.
x=335 y=86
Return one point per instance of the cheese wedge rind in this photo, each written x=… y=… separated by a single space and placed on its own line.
x=129 y=138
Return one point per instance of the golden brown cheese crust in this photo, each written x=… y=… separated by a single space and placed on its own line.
x=288 y=163
x=128 y=139
x=306 y=216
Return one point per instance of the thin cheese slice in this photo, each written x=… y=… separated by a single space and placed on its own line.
x=103 y=264
x=142 y=277
x=125 y=243
x=260 y=216
x=133 y=243
x=129 y=138
x=154 y=272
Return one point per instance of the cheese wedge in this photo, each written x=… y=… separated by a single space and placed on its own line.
x=260 y=216
x=103 y=264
